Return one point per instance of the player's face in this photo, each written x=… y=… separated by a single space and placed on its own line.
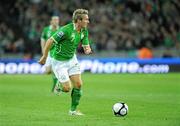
x=55 y=21
x=85 y=21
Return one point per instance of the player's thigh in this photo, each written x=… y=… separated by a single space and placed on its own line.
x=60 y=70
x=76 y=80
x=61 y=74
x=63 y=77
x=75 y=74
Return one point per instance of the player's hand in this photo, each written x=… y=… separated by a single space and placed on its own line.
x=87 y=50
x=42 y=60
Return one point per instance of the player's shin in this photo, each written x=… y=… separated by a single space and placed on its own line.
x=75 y=96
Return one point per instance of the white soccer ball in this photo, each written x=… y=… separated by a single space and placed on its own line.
x=120 y=109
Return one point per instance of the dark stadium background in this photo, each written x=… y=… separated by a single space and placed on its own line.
x=119 y=27
x=117 y=71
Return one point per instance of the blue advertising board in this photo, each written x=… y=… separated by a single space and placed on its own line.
x=97 y=65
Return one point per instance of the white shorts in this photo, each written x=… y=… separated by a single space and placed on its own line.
x=48 y=61
x=64 y=69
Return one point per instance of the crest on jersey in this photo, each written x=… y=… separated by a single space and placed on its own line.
x=60 y=34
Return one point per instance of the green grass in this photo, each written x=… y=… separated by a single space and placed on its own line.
x=153 y=99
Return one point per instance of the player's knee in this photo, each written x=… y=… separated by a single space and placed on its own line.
x=78 y=84
x=66 y=89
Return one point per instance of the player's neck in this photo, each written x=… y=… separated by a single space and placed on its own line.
x=77 y=27
x=54 y=27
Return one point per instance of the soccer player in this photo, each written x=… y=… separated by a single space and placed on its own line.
x=47 y=32
x=65 y=64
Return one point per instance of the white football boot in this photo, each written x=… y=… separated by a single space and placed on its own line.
x=76 y=113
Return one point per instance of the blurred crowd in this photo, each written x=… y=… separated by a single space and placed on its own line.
x=114 y=24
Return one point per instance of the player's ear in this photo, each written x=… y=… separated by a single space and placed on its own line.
x=80 y=19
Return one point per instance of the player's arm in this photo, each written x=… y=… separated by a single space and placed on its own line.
x=43 y=39
x=43 y=42
x=55 y=38
x=85 y=43
x=45 y=51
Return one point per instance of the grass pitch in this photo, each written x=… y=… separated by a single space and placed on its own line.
x=153 y=99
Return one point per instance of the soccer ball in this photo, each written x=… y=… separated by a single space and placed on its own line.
x=120 y=109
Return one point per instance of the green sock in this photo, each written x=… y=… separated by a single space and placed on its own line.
x=75 y=96
x=55 y=80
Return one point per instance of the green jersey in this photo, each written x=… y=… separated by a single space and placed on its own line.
x=67 y=40
x=46 y=34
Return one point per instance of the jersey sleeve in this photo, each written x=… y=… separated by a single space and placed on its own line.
x=59 y=35
x=85 y=40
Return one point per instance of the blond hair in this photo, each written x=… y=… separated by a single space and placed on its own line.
x=78 y=14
